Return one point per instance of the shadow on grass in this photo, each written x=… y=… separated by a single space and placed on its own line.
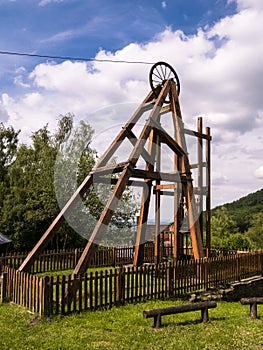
x=192 y=322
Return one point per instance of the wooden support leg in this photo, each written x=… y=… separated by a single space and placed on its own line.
x=253 y=310
x=157 y=322
x=142 y=223
x=204 y=315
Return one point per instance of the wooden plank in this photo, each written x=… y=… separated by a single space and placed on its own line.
x=197 y=134
x=138 y=258
x=106 y=180
x=200 y=173
x=103 y=222
x=155 y=175
x=135 y=154
x=56 y=224
x=168 y=140
x=157 y=257
x=208 y=194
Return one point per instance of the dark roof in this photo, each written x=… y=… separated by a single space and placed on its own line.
x=4 y=239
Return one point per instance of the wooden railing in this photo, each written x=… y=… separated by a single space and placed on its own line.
x=103 y=289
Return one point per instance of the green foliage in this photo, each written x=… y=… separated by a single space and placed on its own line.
x=255 y=231
x=230 y=327
x=38 y=181
x=238 y=225
x=223 y=227
x=238 y=241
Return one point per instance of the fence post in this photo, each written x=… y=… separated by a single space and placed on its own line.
x=113 y=257
x=238 y=268
x=121 y=286
x=3 y=278
x=46 y=297
x=206 y=286
x=170 y=279
x=75 y=257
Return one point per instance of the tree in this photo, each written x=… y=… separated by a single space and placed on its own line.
x=222 y=226
x=8 y=148
x=238 y=241
x=255 y=232
x=42 y=178
x=74 y=154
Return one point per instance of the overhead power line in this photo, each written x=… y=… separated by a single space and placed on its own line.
x=10 y=53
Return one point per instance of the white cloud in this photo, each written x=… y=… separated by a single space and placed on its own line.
x=46 y=2
x=164 y=4
x=220 y=70
x=259 y=172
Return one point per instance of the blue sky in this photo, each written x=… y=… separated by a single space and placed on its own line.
x=215 y=46
x=81 y=28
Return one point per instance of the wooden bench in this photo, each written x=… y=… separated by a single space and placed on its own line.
x=253 y=302
x=158 y=313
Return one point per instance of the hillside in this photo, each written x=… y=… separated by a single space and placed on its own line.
x=243 y=209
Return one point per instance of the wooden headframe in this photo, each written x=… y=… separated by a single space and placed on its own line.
x=151 y=179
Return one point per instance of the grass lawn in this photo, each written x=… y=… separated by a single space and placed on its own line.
x=230 y=327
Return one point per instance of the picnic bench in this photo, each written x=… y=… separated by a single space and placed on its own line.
x=253 y=302
x=158 y=313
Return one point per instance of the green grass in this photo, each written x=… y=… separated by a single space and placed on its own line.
x=230 y=327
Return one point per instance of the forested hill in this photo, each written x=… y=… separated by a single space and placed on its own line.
x=244 y=210
x=252 y=202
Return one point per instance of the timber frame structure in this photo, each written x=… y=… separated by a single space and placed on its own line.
x=162 y=99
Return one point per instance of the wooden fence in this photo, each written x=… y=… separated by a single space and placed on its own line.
x=67 y=259
x=105 y=257
x=103 y=289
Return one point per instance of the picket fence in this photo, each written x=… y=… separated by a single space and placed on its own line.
x=106 y=288
x=67 y=259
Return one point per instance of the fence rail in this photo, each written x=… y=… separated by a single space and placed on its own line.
x=103 y=289
x=104 y=257
x=67 y=259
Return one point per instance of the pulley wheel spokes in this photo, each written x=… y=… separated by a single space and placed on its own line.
x=159 y=74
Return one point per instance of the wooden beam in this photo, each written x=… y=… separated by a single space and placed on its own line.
x=208 y=194
x=157 y=257
x=144 y=154
x=187 y=186
x=106 y=180
x=103 y=222
x=56 y=224
x=154 y=175
x=168 y=140
x=148 y=126
x=145 y=204
x=200 y=173
x=110 y=169
x=165 y=186
x=197 y=134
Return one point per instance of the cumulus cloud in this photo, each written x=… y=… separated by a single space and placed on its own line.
x=220 y=70
x=46 y=2
x=259 y=172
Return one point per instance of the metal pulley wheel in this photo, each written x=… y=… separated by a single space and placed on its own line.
x=159 y=74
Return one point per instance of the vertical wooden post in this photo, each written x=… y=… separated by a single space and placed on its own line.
x=208 y=193
x=157 y=257
x=253 y=310
x=3 y=279
x=204 y=315
x=200 y=173
x=46 y=297
x=121 y=286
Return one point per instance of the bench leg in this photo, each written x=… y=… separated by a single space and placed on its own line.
x=253 y=310
x=204 y=315
x=157 y=322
